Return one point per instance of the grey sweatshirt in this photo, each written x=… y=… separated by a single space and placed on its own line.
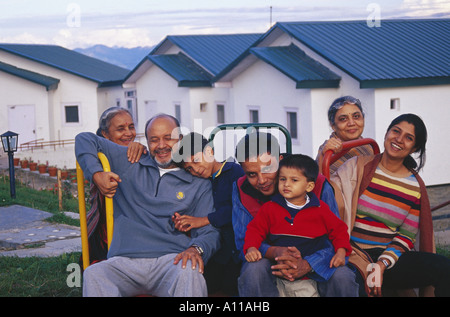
x=145 y=201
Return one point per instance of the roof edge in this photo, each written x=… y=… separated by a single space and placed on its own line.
x=51 y=84
x=318 y=84
x=404 y=82
x=99 y=81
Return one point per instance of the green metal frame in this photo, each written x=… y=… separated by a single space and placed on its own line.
x=249 y=126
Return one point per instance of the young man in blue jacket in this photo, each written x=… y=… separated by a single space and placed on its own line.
x=259 y=154
x=147 y=254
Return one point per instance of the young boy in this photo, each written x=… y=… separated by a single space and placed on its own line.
x=296 y=217
x=197 y=157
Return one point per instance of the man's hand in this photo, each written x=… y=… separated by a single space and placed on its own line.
x=106 y=182
x=190 y=254
x=290 y=264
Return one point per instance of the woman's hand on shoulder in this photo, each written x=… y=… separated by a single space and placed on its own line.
x=135 y=151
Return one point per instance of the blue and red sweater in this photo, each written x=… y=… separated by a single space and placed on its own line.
x=308 y=229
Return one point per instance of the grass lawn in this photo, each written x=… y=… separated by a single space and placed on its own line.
x=36 y=276
x=39 y=277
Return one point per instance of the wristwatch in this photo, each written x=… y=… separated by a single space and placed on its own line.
x=386 y=263
x=198 y=248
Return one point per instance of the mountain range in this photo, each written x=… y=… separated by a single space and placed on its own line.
x=124 y=57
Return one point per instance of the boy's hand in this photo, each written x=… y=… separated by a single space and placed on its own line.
x=253 y=255
x=185 y=223
x=338 y=259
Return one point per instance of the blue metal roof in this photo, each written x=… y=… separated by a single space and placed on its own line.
x=399 y=53
x=185 y=71
x=213 y=52
x=70 y=61
x=294 y=63
x=48 y=82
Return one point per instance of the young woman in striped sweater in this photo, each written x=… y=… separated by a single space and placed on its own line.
x=384 y=203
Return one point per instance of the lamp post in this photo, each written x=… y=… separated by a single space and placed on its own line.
x=9 y=142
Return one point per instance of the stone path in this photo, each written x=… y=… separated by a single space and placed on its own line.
x=24 y=232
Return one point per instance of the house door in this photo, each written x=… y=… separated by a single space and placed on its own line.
x=21 y=119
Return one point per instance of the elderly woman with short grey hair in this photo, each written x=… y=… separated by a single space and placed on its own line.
x=346 y=118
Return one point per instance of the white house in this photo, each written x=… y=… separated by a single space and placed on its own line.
x=297 y=69
x=176 y=78
x=291 y=74
x=50 y=93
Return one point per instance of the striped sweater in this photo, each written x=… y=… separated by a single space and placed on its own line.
x=388 y=215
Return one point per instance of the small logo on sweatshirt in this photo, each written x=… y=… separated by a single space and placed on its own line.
x=180 y=195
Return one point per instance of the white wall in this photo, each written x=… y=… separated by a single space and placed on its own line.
x=263 y=86
x=322 y=98
x=205 y=121
x=107 y=97
x=62 y=157
x=157 y=88
x=16 y=91
x=432 y=104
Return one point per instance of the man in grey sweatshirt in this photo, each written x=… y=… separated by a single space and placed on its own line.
x=147 y=254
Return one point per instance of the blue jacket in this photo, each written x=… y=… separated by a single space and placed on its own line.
x=319 y=261
x=222 y=185
x=144 y=202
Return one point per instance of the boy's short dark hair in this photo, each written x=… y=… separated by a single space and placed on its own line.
x=190 y=145
x=255 y=144
x=304 y=163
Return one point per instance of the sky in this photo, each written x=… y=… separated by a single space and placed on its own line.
x=132 y=23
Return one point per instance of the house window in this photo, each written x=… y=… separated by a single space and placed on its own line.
x=130 y=94
x=254 y=115
x=71 y=114
x=130 y=101
x=178 y=112
x=220 y=114
x=292 y=124
x=395 y=104
x=203 y=106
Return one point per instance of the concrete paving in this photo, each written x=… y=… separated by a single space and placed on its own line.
x=24 y=232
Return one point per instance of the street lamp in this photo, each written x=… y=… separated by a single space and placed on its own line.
x=9 y=142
